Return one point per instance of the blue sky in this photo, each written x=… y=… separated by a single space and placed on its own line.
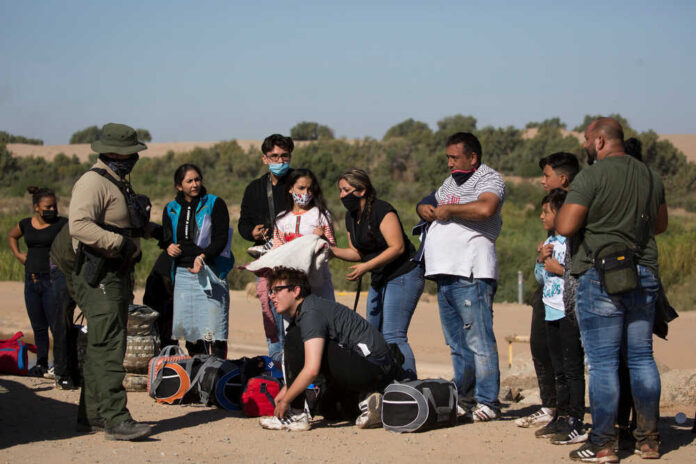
x=213 y=70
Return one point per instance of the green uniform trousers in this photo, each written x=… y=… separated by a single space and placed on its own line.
x=106 y=311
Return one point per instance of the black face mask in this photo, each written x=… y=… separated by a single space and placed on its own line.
x=462 y=176
x=49 y=215
x=122 y=167
x=351 y=203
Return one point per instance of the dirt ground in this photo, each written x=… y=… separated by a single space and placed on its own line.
x=38 y=421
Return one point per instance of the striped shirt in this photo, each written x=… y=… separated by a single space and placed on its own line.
x=463 y=247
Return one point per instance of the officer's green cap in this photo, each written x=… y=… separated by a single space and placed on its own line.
x=119 y=139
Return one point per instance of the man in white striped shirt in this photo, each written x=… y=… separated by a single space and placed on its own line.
x=460 y=256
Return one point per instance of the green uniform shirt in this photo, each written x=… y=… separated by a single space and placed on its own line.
x=615 y=191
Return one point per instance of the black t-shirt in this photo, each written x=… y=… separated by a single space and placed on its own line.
x=321 y=318
x=369 y=241
x=39 y=244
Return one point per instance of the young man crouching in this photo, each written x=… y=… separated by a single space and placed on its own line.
x=337 y=342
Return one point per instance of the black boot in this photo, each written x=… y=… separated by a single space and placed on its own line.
x=127 y=430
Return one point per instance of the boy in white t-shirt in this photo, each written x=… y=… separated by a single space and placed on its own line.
x=562 y=334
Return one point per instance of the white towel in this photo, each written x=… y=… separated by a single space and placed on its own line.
x=306 y=253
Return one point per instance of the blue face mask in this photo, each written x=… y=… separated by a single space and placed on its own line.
x=279 y=169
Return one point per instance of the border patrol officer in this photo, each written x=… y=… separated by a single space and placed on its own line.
x=104 y=219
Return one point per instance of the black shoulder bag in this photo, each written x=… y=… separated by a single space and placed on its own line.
x=615 y=262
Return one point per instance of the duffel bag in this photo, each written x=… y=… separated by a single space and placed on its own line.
x=217 y=381
x=139 y=350
x=169 y=353
x=231 y=382
x=258 y=399
x=141 y=320
x=14 y=355
x=419 y=405
x=172 y=383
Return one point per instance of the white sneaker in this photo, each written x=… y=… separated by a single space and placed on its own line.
x=296 y=421
x=370 y=412
x=50 y=374
x=259 y=250
x=483 y=413
x=539 y=418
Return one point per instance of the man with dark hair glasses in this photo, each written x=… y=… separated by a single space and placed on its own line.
x=350 y=353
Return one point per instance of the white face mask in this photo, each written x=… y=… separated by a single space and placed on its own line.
x=303 y=199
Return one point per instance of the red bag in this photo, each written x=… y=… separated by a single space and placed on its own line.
x=14 y=356
x=259 y=395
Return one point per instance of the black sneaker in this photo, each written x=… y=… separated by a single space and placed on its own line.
x=127 y=430
x=589 y=452
x=38 y=371
x=552 y=428
x=624 y=439
x=65 y=383
x=90 y=425
x=573 y=432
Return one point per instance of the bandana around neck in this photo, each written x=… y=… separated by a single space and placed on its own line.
x=460 y=176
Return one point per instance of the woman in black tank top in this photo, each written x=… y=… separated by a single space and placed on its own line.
x=41 y=301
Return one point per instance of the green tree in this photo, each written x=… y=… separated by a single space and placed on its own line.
x=524 y=161
x=307 y=130
x=143 y=135
x=551 y=122
x=417 y=131
x=86 y=135
x=8 y=164
x=498 y=145
x=452 y=124
x=6 y=137
x=628 y=130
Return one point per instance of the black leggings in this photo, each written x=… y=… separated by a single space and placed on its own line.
x=567 y=357
x=65 y=334
x=343 y=369
x=540 y=352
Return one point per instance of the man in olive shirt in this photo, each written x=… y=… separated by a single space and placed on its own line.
x=604 y=205
x=101 y=223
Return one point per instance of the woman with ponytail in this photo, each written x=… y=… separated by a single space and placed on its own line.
x=376 y=240
x=41 y=301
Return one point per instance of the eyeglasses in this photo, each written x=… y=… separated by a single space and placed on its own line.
x=278 y=288
x=278 y=156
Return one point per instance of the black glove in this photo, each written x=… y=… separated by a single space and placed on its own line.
x=126 y=254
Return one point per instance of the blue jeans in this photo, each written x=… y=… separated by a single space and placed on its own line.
x=390 y=309
x=275 y=349
x=42 y=309
x=466 y=314
x=607 y=324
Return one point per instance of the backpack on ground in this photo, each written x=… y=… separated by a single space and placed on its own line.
x=419 y=405
x=169 y=353
x=172 y=382
x=258 y=399
x=216 y=382
x=14 y=355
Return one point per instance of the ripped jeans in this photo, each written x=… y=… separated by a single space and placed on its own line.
x=466 y=314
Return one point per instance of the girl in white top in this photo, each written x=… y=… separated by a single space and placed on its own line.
x=308 y=215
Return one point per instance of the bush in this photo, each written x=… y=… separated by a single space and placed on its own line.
x=86 y=135
x=306 y=130
x=9 y=138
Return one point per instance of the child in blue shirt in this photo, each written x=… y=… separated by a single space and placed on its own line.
x=562 y=334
